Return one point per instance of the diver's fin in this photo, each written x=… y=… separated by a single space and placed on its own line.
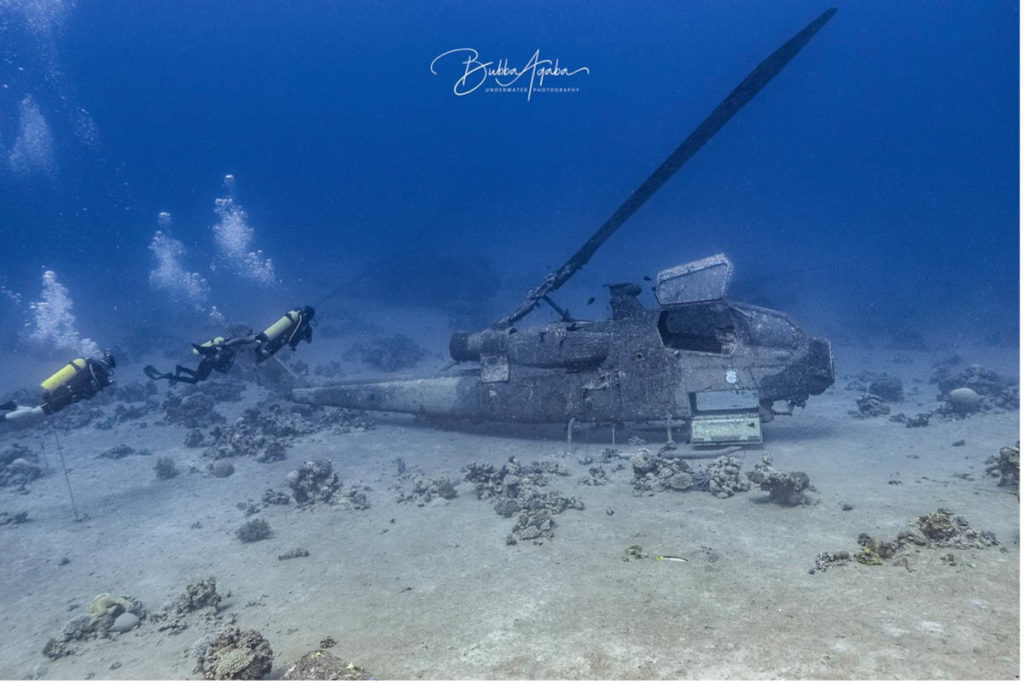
x=153 y=374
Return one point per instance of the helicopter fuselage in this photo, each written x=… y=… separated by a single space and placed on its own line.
x=711 y=358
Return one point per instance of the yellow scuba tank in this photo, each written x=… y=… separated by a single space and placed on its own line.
x=64 y=375
x=198 y=349
x=80 y=379
x=282 y=325
x=290 y=329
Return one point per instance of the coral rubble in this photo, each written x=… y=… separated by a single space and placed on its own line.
x=236 y=654
x=320 y=665
x=516 y=489
x=1006 y=466
x=253 y=530
x=787 y=489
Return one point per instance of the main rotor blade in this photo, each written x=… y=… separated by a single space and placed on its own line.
x=734 y=102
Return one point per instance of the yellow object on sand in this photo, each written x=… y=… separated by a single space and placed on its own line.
x=675 y=559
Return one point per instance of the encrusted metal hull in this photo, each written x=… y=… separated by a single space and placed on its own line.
x=642 y=365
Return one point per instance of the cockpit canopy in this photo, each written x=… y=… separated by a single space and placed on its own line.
x=696 y=317
x=698 y=281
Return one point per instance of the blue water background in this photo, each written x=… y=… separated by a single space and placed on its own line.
x=872 y=186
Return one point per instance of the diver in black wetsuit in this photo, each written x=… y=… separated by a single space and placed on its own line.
x=219 y=353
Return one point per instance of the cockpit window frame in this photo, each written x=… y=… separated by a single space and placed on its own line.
x=717 y=308
x=743 y=315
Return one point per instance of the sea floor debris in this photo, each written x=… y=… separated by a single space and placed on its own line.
x=941 y=529
x=266 y=431
x=19 y=465
x=235 y=654
x=1006 y=466
x=663 y=470
x=786 y=489
x=109 y=614
x=321 y=665
x=974 y=389
x=516 y=489
x=414 y=487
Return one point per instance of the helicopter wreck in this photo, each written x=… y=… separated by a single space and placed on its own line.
x=698 y=357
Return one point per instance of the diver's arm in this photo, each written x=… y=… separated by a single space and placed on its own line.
x=239 y=341
x=23 y=414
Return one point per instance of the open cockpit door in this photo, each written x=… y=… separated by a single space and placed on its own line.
x=698 y=281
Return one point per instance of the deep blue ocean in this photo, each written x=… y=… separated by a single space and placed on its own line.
x=871 y=187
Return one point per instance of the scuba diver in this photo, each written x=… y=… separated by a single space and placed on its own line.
x=219 y=353
x=79 y=379
x=292 y=328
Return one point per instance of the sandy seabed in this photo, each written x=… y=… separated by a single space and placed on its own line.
x=435 y=592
